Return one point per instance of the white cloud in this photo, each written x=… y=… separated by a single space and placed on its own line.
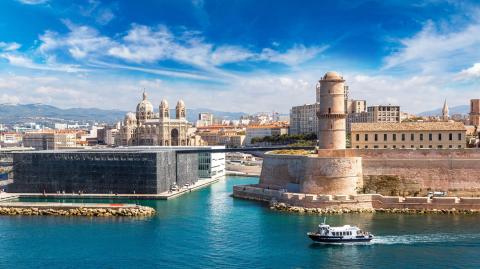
x=435 y=51
x=469 y=73
x=80 y=42
x=9 y=46
x=26 y=62
x=33 y=2
x=293 y=56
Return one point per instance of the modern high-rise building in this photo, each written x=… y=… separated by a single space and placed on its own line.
x=303 y=119
x=383 y=113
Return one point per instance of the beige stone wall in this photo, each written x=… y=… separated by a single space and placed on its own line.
x=331 y=175
x=418 y=171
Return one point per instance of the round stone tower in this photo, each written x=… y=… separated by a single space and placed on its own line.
x=332 y=112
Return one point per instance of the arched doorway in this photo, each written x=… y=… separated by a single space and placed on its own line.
x=174 y=135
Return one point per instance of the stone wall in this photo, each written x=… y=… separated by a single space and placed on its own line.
x=419 y=171
x=356 y=202
x=395 y=172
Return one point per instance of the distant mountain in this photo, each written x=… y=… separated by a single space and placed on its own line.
x=451 y=110
x=17 y=113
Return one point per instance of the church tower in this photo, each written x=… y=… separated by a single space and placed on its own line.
x=445 y=111
x=332 y=114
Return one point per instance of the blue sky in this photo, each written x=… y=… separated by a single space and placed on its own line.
x=237 y=55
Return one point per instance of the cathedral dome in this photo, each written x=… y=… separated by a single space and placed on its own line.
x=331 y=75
x=145 y=106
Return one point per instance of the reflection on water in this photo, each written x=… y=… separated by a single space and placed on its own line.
x=210 y=229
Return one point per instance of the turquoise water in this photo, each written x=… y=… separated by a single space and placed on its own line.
x=209 y=229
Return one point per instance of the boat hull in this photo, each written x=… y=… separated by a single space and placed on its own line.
x=338 y=239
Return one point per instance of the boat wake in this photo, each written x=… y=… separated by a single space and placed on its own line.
x=423 y=238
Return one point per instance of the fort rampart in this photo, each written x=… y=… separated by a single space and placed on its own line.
x=404 y=170
x=355 y=202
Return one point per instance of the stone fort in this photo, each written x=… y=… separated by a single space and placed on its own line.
x=336 y=170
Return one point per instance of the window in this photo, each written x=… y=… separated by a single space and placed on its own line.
x=329 y=110
x=421 y=137
x=412 y=137
x=376 y=137
x=403 y=146
x=366 y=137
x=403 y=137
x=459 y=146
x=459 y=136
x=384 y=137
x=357 y=137
x=375 y=147
x=357 y=147
x=421 y=146
x=394 y=136
x=450 y=136
x=394 y=147
x=430 y=146
x=439 y=137
x=439 y=146
x=430 y=137
x=412 y=146
x=450 y=146
x=366 y=147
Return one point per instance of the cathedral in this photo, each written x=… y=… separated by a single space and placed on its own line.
x=147 y=128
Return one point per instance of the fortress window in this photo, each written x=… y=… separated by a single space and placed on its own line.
x=412 y=137
x=403 y=137
x=439 y=146
x=430 y=146
x=375 y=147
x=403 y=146
x=412 y=146
x=366 y=137
x=421 y=146
x=394 y=136
x=459 y=136
x=394 y=147
x=421 y=137
x=459 y=146
x=384 y=137
x=357 y=137
x=439 y=137
x=329 y=110
x=385 y=146
x=450 y=146
x=450 y=136
x=376 y=137
x=430 y=137
x=357 y=147
x=366 y=147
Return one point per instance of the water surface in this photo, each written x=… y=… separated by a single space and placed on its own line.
x=210 y=229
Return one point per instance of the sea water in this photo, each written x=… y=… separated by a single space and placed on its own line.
x=210 y=229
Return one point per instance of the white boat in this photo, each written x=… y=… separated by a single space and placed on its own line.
x=341 y=234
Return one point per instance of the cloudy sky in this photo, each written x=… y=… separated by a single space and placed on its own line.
x=237 y=55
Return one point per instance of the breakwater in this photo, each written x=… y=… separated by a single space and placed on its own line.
x=75 y=209
x=312 y=203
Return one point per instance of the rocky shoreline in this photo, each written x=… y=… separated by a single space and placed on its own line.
x=139 y=211
x=335 y=211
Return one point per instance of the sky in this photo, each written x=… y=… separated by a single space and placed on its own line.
x=238 y=56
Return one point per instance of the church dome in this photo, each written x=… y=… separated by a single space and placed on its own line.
x=145 y=106
x=331 y=75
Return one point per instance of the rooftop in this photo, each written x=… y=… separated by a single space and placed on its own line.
x=408 y=126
